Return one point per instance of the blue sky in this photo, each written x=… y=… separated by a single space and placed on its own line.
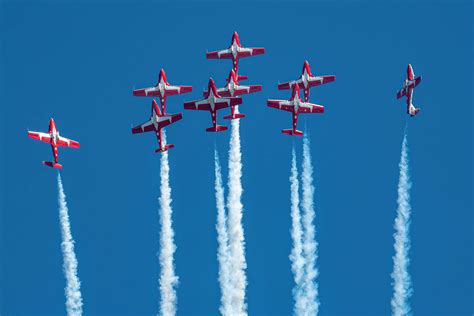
x=78 y=62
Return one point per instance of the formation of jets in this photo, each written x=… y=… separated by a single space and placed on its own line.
x=229 y=96
x=295 y=104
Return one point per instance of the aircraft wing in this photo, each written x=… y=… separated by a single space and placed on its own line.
x=247 y=89
x=401 y=93
x=318 y=80
x=289 y=84
x=204 y=105
x=283 y=105
x=66 y=142
x=169 y=119
x=173 y=90
x=44 y=137
x=219 y=54
x=147 y=92
x=143 y=128
x=245 y=52
x=310 y=108
x=417 y=80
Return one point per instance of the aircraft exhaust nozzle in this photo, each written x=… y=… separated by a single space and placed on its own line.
x=235 y=116
x=52 y=165
x=218 y=128
x=292 y=133
x=167 y=147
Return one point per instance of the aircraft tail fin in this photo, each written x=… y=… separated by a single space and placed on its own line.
x=52 y=165
x=235 y=116
x=292 y=133
x=217 y=128
x=166 y=147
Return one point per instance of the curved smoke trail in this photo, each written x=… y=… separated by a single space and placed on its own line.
x=168 y=278
x=402 y=285
x=223 y=242
x=296 y=256
x=309 y=242
x=236 y=232
x=73 y=285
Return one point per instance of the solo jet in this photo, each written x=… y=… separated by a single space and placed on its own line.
x=306 y=81
x=155 y=124
x=234 y=89
x=162 y=90
x=407 y=90
x=55 y=140
x=234 y=52
x=213 y=102
x=296 y=106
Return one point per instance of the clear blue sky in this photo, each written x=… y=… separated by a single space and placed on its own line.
x=78 y=62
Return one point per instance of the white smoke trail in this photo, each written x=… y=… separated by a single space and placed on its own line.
x=236 y=232
x=296 y=256
x=168 y=278
x=402 y=285
x=73 y=285
x=223 y=242
x=310 y=245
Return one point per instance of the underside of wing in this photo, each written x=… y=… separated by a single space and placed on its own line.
x=311 y=108
x=66 y=142
x=401 y=93
x=202 y=105
x=283 y=105
x=147 y=92
x=219 y=54
x=169 y=119
x=318 y=80
x=40 y=136
x=245 y=52
x=143 y=128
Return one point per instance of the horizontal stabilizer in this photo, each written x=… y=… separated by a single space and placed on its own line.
x=240 y=78
x=52 y=165
x=292 y=133
x=217 y=128
x=167 y=147
x=233 y=117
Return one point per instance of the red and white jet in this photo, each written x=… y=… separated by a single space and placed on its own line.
x=55 y=140
x=296 y=106
x=162 y=90
x=306 y=81
x=155 y=124
x=235 y=51
x=407 y=90
x=234 y=89
x=213 y=102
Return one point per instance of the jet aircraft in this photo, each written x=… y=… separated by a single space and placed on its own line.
x=213 y=102
x=162 y=89
x=296 y=106
x=156 y=123
x=407 y=90
x=306 y=81
x=55 y=140
x=235 y=51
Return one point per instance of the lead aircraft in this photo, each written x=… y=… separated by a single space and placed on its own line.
x=156 y=123
x=234 y=52
x=213 y=102
x=162 y=89
x=55 y=140
x=296 y=106
x=306 y=81
x=407 y=90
